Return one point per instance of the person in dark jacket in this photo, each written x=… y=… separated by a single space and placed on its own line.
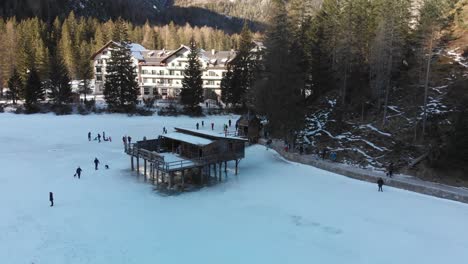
x=229 y=122
x=198 y=125
x=78 y=172
x=96 y=163
x=99 y=137
x=380 y=182
x=202 y=123
x=129 y=140
x=51 y=199
x=390 y=170
x=89 y=136
x=212 y=126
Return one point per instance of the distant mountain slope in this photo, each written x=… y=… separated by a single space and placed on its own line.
x=253 y=10
x=136 y=11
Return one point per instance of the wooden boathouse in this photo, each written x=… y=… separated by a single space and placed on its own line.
x=186 y=157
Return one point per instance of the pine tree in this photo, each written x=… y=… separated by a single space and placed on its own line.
x=121 y=88
x=33 y=91
x=239 y=78
x=59 y=81
x=192 y=84
x=15 y=85
x=278 y=93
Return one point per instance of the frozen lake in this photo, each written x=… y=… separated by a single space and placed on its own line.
x=274 y=211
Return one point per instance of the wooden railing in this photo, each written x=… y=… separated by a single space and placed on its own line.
x=158 y=160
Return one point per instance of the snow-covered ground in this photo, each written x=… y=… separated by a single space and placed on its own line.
x=274 y=211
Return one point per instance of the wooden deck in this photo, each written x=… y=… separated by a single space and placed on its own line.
x=164 y=167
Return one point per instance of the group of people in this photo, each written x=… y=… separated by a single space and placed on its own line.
x=225 y=126
x=79 y=170
x=98 y=137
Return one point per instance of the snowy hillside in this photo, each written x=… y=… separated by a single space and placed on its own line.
x=274 y=211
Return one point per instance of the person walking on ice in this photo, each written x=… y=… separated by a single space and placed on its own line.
x=198 y=126
x=390 y=170
x=51 y=199
x=99 y=137
x=124 y=140
x=380 y=183
x=96 y=163
x=89 y=136
x=78 y=172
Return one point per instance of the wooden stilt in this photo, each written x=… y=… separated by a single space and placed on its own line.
x=183 y=180
x=131 y=161
x=201 y=175
x=144 y=170
x=157 y=175
x=220 y=169
x=225 y=166
x=152 y=172
x=138 y=164
x=237 y=165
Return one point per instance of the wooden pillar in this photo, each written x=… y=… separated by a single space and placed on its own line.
x=152 y=171
x=237 y=164
x=138 y=164
x=183 y=180
x=215 y=171
x=225 y=166
x=170 y=180
x=144 y=170
x=157 y=174
x=131 y=161
x=220 y=169
x=201 y=175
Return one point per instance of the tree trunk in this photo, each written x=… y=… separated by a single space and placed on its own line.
x=426 y=82
x=389 y=76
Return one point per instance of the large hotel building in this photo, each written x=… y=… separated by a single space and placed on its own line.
x=160 y=72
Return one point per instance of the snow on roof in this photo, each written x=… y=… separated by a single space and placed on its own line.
x=188 y=138
x=210 y=133
x=137 y=50
x=136 y=47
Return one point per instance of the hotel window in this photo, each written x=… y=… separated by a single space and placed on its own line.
x=153 y=72
x=98 y=78
x=99 y=61
x=154 y=80
x=145 y=80
x=210 y=82
x=211 y=73
x=104 y=52
x=98 y=69
x=145 y=72
x=161 y=72
x=171 y=72
x=146 y=90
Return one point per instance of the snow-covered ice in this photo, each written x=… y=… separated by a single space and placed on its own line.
x=274 y=211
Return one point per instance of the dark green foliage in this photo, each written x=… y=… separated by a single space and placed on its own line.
x=279 y=91
x=59 y=82
x=121 y=88
x=33 y=92
x=192 y=84
x=239 y=78
x=15 y=85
